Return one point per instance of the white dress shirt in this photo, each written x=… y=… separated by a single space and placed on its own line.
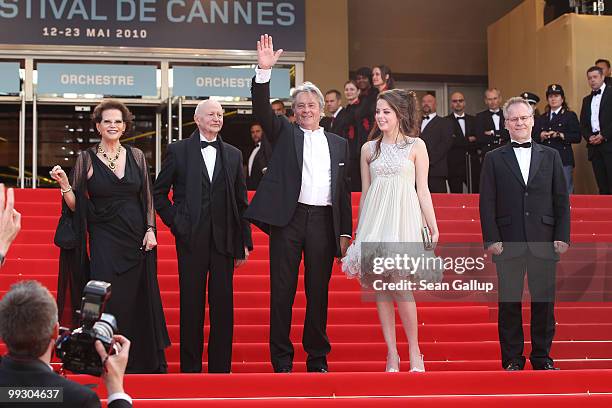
x=461 y=122
x=425 y=122
x=595 y=103
x=210 y=156
x=316 y=169
x=523 y=156
x=496 y=118
x=252 y=156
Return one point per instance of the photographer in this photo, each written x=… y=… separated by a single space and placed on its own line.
x=29 y=327
x=10 y=221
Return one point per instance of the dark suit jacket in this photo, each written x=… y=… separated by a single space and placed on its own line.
x=438 y=137
x=605 y=121
x=338 y=125
x=461 y=145
x=276 y=198
x=182 y=171
x=484 y=123
x=565 y=122
x=260 y=162
x=35 y=373
x=524 y=217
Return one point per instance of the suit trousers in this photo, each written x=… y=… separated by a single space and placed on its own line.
x=602 y=167
x=437 y=184
x=541 y=281
x=310 y=231
x=199 y=265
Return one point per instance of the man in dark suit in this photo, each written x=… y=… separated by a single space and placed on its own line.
x=437 y=133
x=259 y=157
x=29 y=327
x=490 y=131
x=338 y=120
x=462 y=157
x=596 y=128
x=525 y=221
x=304 y=202
x=205 y=217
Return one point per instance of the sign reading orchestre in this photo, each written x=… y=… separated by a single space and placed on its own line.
x=191 y=24
x=118 y=80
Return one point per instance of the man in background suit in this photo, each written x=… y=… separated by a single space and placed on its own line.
x=337 y=122
x=205 y=217
x=604 y=64
x=525 y=221
x=490 y=131
x=29 y=327
x=437 y=133
x=259 y=157
x=463 y=150
x=304 y=201
x=596 y=128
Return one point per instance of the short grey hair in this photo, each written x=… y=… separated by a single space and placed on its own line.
x=515 y=101
x=28 y=315
x=308 y=87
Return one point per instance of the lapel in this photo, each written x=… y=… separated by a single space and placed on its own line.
x=430 y=123
x=605 y=95
x=536 y=160
x=510 y=159
x=458 y=124
x=334 y=162
x=218 y=161
x=195 y=169
x=298 y=137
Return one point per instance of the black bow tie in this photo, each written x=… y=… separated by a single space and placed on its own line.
x=426 y=117
x=204 y=144
x=516 y=144
x=495 y=113
x=460 y=117
x=597 y=92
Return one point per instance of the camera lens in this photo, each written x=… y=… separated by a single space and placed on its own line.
x=106 y=326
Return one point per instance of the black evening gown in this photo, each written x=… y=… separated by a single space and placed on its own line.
x=116 y=225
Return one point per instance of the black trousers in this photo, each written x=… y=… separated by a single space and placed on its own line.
x=541 y=281
x=198 y=266
x=310 y=231
x=602 y=167
x=437 y=184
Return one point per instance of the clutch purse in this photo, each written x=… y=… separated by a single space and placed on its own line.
x=65 y=236
x=427 y=241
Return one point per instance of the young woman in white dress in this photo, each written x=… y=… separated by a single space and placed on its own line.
x=391 y=209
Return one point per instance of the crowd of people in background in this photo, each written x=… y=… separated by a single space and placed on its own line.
x=458 y=142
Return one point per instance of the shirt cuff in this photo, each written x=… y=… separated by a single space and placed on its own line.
x=346 y=235
x=118 y=396
x=262 y=75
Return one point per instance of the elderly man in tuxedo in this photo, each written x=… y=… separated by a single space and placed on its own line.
x=205 y=216
x=304 y=202
x=525 y=221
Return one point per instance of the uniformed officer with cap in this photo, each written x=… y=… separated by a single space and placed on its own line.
x=558 y=128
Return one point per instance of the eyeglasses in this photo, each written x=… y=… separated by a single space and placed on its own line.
x=515 y=120
x=107 y=122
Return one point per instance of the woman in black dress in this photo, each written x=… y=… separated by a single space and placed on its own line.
x=109 y=193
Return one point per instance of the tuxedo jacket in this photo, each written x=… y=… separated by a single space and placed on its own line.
x=35 y=373
x=338 y=125
x=524 y=216
x=565 y=122
x=438 y=137
x=184 y=171
x=484 y=122
x=605 y=121
x=277 y=196
x=260 y=162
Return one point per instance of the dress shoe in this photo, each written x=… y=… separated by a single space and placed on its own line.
x=317 y=370
x=418 y=366
x=284 y=370
x=513 y=367
x=546 y=366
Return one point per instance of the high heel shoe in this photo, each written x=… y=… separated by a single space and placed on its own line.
x=418 y=366
x=393 y=363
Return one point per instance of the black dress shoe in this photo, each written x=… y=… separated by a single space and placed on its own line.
x=546 y=366
x=284 y=370
x=513 y=367
x=317 y=370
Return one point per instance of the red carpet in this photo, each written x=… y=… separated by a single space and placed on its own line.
x=459 y=340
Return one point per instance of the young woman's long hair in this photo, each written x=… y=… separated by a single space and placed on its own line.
x=405 y=105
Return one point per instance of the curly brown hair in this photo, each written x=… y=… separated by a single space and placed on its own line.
x=108 y=104
x=405 y=105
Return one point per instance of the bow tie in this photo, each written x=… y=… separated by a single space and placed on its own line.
x=495 y=113
x=597 y=92
x=460 y=117
x=525 y=145
x=426 y=117
x=204 y=144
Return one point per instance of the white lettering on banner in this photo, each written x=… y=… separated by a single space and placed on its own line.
x=222 y=82
x=92 y=79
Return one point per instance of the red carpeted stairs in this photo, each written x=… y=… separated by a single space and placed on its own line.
x=459 y=340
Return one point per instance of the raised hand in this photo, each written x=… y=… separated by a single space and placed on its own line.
x=266 y=56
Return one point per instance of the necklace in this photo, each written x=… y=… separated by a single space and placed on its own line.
x=111 y=160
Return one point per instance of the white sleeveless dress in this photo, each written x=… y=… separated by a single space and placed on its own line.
x=390 y=211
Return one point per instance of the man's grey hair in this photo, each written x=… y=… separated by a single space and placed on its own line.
x=515 y=101
x=308 y=87
x=28 y=315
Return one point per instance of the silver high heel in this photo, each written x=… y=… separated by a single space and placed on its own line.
x=419 y=366
x=391 y=366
